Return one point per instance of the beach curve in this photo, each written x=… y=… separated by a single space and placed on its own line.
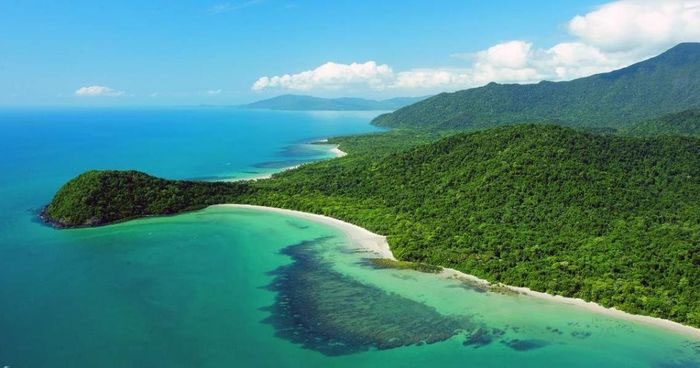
x=365 y=240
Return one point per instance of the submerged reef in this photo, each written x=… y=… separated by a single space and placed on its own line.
x=334 y=314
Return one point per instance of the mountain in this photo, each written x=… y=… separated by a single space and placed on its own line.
x=683 y=123
x=310 y=103
x=667 y=83
x=607 y=218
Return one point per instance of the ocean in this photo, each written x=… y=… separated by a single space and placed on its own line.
x=245 y=288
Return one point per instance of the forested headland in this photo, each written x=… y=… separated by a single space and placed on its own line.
x=600 y=199
x=606 y=218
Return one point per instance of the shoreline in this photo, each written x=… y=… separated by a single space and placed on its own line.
x=364 y=239
x=337 y=153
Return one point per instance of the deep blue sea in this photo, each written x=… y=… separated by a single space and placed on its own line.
x=226 y=287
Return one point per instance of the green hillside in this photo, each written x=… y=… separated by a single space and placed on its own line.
x=683 y=123
x=102 y=197
x=605 y=218
x=664 y=84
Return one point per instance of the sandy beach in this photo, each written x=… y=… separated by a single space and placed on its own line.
x=362 y=238
x=337 y=152
x=376 y=244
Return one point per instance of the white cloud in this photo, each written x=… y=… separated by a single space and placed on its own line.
x=510 y=55
x=650 y=25
x=508 y=62
x=505 y=62
x=95 y=91
x=431 y=79
x=611 y=36
x=214 y=92
x=571 y=60
x=331 y=76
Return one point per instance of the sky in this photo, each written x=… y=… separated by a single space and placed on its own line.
x=230 y=52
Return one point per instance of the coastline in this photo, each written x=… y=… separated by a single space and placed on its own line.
x=363 y=238
x=366 y=240
x=337 y=153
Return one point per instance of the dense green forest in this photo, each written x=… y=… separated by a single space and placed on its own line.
x=664 y=84
x=608 y=218
x=378 y=145
x=682 y=123
x=102 y=197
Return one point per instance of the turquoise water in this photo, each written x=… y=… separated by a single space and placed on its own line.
x=244 y=288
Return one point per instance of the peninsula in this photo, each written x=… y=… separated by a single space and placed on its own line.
x=597 y=214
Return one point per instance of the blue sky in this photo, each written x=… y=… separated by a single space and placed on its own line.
x=193 y=52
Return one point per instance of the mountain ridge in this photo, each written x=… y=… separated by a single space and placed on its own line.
x=666 y=83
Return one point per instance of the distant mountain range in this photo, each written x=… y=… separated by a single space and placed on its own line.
x=667 y=83
x=310 y=103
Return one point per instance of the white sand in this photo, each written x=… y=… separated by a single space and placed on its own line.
x=361 y=238
x=376 y=244
x=589 y=306
x=337 y=152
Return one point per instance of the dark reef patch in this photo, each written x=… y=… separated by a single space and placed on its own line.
x=386 y=263
x=471 y=285
x=581 y=334
x=297 y=225
x=279 y=164
x=480 y=337
x=326 y=311
x=302 y=149
x=525 y=345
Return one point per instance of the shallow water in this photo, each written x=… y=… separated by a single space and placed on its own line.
x=240 y=287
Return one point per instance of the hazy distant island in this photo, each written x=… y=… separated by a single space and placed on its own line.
x=310 y=103
x=588 y=188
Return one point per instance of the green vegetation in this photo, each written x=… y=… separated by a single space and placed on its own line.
x=683 y=123
x=664 y=84
x=608 y=218
x=102 y=197
x=605 y=218
x=403 y=265
x=310 y=103
x=381 y=144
